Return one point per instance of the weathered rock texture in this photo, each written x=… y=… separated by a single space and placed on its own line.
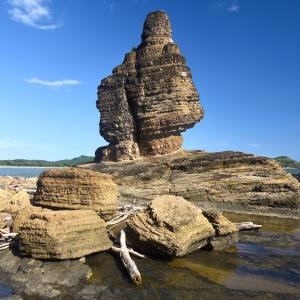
x=231 y=181
x=12 y=201
x=63 y=234
x=220 y=223
x=170 y=226
x=149 y=99
x=75 y=188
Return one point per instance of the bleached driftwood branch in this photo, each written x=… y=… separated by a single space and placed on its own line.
x=5 y=245
x=10 y=234
x=128 y=263
x=123 y=213
x=131 y=251
x=245 y=226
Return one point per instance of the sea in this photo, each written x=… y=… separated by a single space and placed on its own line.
x=23 y=171
x=36 y=171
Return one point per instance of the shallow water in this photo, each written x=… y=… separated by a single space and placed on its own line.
x=262 y=261
x=4 y=291
x=293 y=170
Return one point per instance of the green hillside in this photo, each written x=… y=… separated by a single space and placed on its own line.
x=44 y=163
x=287 y=162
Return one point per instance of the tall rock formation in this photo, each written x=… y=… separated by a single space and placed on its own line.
x=149 y=99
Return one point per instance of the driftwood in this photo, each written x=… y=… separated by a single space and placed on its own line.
x=5 y=245
x=128 y=263
x=247 y=226
x=131 y=251
x=123 y=213
x=10 y=234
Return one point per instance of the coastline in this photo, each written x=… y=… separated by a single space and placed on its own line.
x=35 y=167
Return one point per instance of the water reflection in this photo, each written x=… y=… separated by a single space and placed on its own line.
x=267 y=261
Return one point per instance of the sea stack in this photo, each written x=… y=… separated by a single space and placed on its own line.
x=149 y=99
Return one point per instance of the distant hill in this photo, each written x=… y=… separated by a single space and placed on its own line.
x=287 y=162
x=44 y=163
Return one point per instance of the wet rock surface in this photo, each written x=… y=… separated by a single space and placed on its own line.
x=297 y=176
x=75 y=188
x=149 y=99
x=232 y=181
x=42 y=280
x=262 y=265
x=62 y=234
x=170 y=226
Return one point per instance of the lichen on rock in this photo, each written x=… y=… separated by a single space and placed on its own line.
x=149 y=99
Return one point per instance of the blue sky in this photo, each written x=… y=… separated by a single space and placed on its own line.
x=243 y=54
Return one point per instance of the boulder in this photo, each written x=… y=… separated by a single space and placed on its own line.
x=75 y=188
x=12 y=201
x=220 y=223
x=169 y=226
x=149 y=99
x=63 y=234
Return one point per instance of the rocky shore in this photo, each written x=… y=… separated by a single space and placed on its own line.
x=68 y=235
x=228 y=181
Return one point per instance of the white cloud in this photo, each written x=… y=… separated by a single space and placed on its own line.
x=230 y=6
x=254 y=145
x=35 y=13
x=55 y=83
x=233 y=7
x=111 y=5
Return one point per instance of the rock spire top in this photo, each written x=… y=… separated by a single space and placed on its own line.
x=157 y=26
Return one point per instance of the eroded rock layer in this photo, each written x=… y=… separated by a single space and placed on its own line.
x=232 y=181
x=149 y=99
x=75 y=188
x=170 y=226
x=63 y=234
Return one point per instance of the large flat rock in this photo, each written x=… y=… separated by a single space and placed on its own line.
x=232 y=181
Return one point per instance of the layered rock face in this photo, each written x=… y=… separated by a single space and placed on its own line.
x=170 y=226
x=74 y=188
x=63 y=234
x=149 y=99
x=220 y=223
x=231 y=181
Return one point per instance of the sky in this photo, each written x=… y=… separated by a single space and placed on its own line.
x=244 y=56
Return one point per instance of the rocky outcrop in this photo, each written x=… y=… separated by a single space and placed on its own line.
x=17 y=183
x=170 y=226
x=220 y=223
x=12 y=201
x=63 y=234
x=227 y=181
x=149 y=99
x=75 y=188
